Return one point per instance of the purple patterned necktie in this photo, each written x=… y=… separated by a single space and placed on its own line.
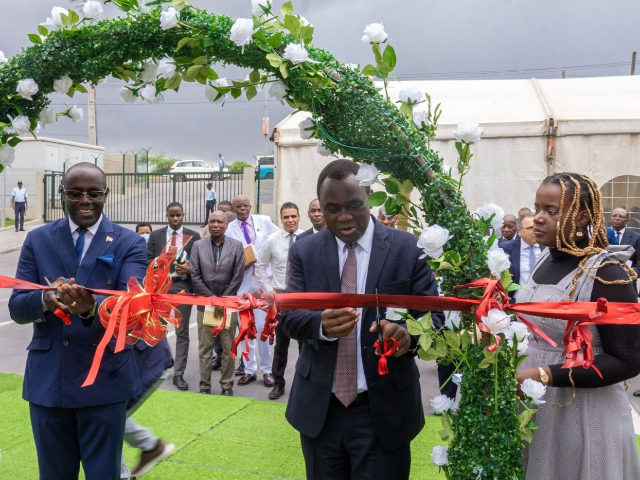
x=245 y=230
x=347 y=365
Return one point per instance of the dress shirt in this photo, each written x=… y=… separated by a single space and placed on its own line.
x=618 y=237
x=250 y=228
x=19 y=194
x=217 y=252
x=274 y=252
x=525 y=268
x=88 y=236
x=363 y=254
x=178 y=236
x=221 y=162
x=315 y=231
x=211 y=194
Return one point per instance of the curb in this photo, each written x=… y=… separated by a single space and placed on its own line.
x=30 y=222
x=16 y=247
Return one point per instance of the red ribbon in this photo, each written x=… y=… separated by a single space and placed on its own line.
x=139 y=311
x=390 y=346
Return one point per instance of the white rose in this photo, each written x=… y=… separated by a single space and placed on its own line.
x=169 y=19
x=307 y=128
x=92 y=9
x=128 y=96
x=497 y=321
x=27 y=88
x=420 y=117
x=374 y=33
x=442 y=403
x=21 y=124
x=297 y=54
x=48 y=116
x=63 y=84
x=452 y=320
x=278 y=90
x=457 y=379
x=523 y=346
x=148 y=94
x=166 y=69
x=367 y=174
x=3 y=59
x=211 y=93
x=534 y=390
x=447 y=169
x=410 y=94
x=7 y=155
x=149 y=71
x=468 y=132
x=498 y=261
x=439 y=456
x=75 y=114
x=432 y=239
x=322 y=150
x=242 y=31
x=392 y=315
x=56 y=17
x=256 y=7
x=518 y=329
x=488 y=209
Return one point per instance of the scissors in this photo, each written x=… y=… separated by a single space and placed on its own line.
x=378 y=323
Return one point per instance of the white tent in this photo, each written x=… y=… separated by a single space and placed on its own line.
x=532 y=128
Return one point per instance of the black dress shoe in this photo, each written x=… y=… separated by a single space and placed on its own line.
x=205 y=390
x=636 y=393
x=240 y=370
x=216 y=364
x=227 y=393
x=179 y=382
x=276 y=393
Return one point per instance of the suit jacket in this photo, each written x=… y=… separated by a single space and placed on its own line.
x=629 y=238
x=210 y=281
x=60 y=356
x=512 y=248
x=264 y=227
x=158 y=240
x=502 y=240
x=394 y=268
x=304 y=234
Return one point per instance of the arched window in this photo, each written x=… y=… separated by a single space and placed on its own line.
x=622 y=191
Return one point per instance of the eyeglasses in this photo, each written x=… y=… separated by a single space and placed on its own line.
x=93 y=195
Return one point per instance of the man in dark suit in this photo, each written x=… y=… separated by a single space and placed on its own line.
x=509 y=230
x=353 y=422
x=217 y=269
x=523 y=251
x=70 y=423
x=619 y=234
x=317 y=220
x=176 y=235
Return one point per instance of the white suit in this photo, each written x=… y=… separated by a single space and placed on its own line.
x=263 y=227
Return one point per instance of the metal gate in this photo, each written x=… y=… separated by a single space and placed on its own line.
x=142 y=197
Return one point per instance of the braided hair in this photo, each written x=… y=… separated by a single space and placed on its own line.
x=583 y=193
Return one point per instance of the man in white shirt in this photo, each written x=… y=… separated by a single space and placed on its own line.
x=275 y=254
x=252 y=231
x=19 y=203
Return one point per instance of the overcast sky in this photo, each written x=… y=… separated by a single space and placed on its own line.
x=434 y=39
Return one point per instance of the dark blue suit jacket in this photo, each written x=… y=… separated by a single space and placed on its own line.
x=394 y=268
x=629 y=238
x=60 y=356
x=512 y=248
x=304 y=234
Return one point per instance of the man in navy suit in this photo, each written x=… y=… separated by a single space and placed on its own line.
x=316 y=218
x=619 y=234
x=523 y=251
x=353 y=422
x=72 y=424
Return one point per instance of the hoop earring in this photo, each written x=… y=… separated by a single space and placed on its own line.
x=579 y=232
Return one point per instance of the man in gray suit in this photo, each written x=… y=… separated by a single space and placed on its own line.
x=217 y=269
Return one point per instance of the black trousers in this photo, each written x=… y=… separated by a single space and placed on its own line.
x=209 y=207
x=348 y=448
x=281 y=356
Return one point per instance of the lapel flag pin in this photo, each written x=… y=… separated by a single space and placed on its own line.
x=109 y=239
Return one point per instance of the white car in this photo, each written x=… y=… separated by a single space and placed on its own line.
x=197 y=169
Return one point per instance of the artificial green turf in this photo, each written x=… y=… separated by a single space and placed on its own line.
x=215 y=437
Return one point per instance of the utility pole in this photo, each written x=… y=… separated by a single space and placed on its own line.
x=146 y=151
x=633 y=63
x=93 y=118
x=564 y=74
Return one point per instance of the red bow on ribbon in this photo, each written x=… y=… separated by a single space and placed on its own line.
x=246 y=305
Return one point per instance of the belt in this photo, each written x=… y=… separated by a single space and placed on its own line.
x=361 y=398
x=179 y=277
x=18 y=202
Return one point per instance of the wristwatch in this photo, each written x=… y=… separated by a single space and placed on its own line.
x=544 y=378
x=91 y=313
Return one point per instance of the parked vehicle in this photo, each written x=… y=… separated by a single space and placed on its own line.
x=193 y=167
x=267 y=167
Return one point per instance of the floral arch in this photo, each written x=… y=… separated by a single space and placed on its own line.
x=157 y=46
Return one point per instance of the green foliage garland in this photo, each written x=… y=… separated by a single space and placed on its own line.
x=349 y=116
